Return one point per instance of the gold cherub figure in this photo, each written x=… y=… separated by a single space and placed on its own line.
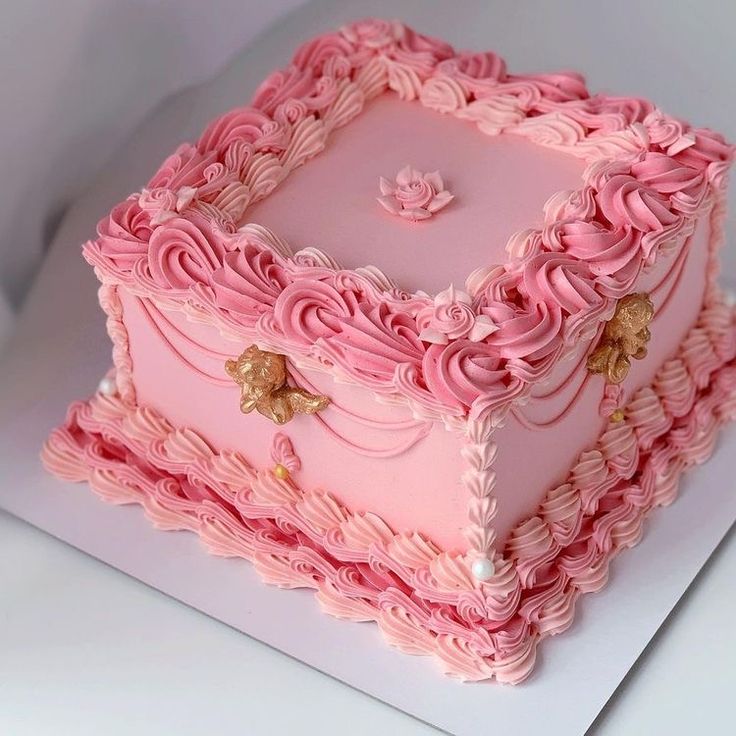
x=262 y=378
x=625 y=336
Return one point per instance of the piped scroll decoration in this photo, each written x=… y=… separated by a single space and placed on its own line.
x=625 y=336
x=262 y=378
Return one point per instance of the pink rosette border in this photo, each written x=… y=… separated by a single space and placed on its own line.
x=650 y=177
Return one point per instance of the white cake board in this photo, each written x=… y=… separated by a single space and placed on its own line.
x=61 y=351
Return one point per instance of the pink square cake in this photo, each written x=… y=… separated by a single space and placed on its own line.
x=425 y=336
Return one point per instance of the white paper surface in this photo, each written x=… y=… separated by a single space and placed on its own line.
x=61 y=351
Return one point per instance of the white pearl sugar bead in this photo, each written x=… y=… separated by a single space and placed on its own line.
x=107 y=386
x=483 y=569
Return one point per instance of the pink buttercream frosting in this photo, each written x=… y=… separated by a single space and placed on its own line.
x=182 y=252
x=527 y=328
x=649 y=177
x=559 y=279
x=476 y=73
x=248 y=282
x=452 y=316
x=282 y=453
x=413 y=195
x=459 y=372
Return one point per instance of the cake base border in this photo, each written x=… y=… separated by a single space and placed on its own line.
x=432 y=609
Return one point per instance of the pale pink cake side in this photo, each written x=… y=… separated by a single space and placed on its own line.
x=363 y=450
x=563 y=413
x=424 y=449
x=366 y=449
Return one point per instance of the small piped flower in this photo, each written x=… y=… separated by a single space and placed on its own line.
x=163 y=204
x=285 y=459
x=414 y=196
x=451 y=317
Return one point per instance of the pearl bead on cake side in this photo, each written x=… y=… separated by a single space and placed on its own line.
x=483 y=569
x=107 y=386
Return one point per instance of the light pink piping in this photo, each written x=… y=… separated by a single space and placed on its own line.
x=476 y=631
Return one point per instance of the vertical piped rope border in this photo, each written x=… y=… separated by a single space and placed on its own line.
x=479 y=480
x=112 y=306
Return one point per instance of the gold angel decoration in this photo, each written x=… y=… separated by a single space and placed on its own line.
x=262 y=378
x=625 y=336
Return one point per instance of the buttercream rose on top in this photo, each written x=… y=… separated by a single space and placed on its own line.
x=123 y=235
x=163 y=204
x=413 y=195
x=528 y=328
x=451 y=317
x=182 y=252
x=458 y=373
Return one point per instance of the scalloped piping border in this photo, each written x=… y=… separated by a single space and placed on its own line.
x=111 y=305
x=425 y=601
x=380 y=62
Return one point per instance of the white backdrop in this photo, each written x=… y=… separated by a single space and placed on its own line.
x=80 y=75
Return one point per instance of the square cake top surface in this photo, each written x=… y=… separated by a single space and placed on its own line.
x=498 y=185
x=413 y=219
